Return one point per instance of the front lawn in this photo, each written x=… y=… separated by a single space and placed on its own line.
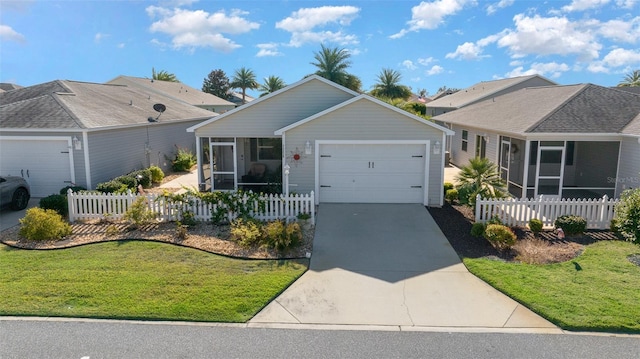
x=139 y=280
x=597 y=291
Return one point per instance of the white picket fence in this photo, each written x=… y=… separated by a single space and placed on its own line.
x=518 y=212
x=87 y=206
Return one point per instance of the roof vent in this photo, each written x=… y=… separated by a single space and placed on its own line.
x=130 y=102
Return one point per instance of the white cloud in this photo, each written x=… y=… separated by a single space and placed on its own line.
x=121 y=45
x=626 y=4
x=409 y=65
x=99 y=37
x=303 y=25
x=270 y=49
x=551 y=69
x=9 y=34
x=618 y=30
x=466 y=51
x=430 y=15
x=492 y=8
x=616 y=58
x=549 y=36
x=436 y=69
x=198 y=28
x=427 y=61
x=582 y=5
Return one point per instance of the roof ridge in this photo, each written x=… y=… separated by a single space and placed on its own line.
x=561 y=106
x=66 y=109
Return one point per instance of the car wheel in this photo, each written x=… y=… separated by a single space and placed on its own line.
x=20 y=199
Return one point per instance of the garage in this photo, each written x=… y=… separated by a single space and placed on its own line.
x=44 y=163
x=373 y=172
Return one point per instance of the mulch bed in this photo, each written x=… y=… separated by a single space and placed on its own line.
x=455 y=221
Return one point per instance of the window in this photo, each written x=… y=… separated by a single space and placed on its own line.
x=481 y=146
x=465 y=140
x=266 y=149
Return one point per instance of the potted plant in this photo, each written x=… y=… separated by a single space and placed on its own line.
x=304 y=219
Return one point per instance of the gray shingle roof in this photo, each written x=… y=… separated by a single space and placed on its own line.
x=479 y=91
x=84 y=105
x=176 y=90
x=584 y=108
x=633 y=128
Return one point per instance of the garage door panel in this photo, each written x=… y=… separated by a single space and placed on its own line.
x=372 y=173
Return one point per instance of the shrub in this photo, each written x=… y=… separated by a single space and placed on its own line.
x=73 y=188
x=447 y=186
x=183 y=160
x=477 y=229
x=139 y=212
x=535 y=225
x=282 y=236
x=56 y=202
x=128 y=181
x=43 y=224
x=571 y=224
x=627 y=216
x=246 y=231
x=501 y=237
x=495 y=220
x=181 y=231
x=143 y=177
x=157 y=175
x=452 y=195
x=112 y=186
x=304 y=216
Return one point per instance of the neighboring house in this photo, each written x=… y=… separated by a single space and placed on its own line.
x=67 y=132
x=8 y=86
x=236 y=97
x=577 y=141
x=345 y=146
x=482 y=91
x=178 y=91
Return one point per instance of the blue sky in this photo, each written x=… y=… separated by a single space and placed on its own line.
x=432 y=43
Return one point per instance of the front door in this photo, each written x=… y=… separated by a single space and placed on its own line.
x=550 y=171
x=223 y=166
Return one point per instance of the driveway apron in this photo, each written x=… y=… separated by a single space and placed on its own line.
x=389 y=264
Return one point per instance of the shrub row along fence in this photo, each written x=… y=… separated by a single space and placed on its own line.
x=518 y=212
x=88 y=205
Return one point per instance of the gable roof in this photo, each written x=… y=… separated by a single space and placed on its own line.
x=362 y=97
x=81 y=105
x=633 y=128
x=175 y=90
x=280 y=92
x=480 y=91
x=583 y=108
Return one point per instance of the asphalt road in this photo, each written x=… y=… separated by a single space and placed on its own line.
x=106 y=339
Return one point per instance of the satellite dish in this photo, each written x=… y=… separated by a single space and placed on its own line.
x=160 y=107
x=151 y=119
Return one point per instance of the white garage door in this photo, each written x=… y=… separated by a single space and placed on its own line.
x=45 y=164
x=372 y=173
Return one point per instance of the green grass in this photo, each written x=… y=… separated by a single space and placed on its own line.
x=597 y=291
x=139 y=280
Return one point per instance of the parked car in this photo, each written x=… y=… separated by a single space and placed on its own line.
x=14 y=192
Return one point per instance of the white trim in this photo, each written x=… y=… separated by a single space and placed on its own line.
x=443 y=150
x=359 y=98
x=427 y=157
x=87 y=163
x=267 y=97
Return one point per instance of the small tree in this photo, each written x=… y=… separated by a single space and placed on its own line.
x=627 y=215
x=217 y=84
x=479 y=177
x=163 y=75
x=271 y=84
x=244 y=79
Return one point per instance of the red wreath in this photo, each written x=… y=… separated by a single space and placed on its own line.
x=296 y=157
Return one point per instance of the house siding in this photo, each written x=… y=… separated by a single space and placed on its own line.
x=117 y=152
x=276 y=112
x=629 y=168
x=366 y=121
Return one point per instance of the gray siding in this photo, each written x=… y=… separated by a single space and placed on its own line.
x=629 y=166
x=362 y=120
x=264 y=118
x=461 y=158
x=120 y=151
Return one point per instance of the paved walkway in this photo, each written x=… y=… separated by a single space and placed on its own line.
x=390 y=265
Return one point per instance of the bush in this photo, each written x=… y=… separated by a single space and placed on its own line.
x=571 y=224
x=627 y=216
x=128 y=181
x=447 y=186
x=112 y=186
x=143 y=177
x=73 y=188
x=282 y=236
x=535 y=225
x=43 y=224
x=495 y=220
x=452 y=195
x=501 y=237
x=139 y=212
x=56 y=202
x=183 y=160
x=477 y=229
x=246 y=231
x=157 y=175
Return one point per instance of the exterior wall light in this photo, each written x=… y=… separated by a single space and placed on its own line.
x=307 y=148
x=77 y=144
x=286 y=169
x=436 y=148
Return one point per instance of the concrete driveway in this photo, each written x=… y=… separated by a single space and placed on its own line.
x=390 y=265
x=10 y=218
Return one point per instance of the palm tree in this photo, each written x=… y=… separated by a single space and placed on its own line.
x=482 y=177
x=163 y=75
x=244 y=79
x=271 y=84
x=332 y=63
x=389 y=86
x=632 y=79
